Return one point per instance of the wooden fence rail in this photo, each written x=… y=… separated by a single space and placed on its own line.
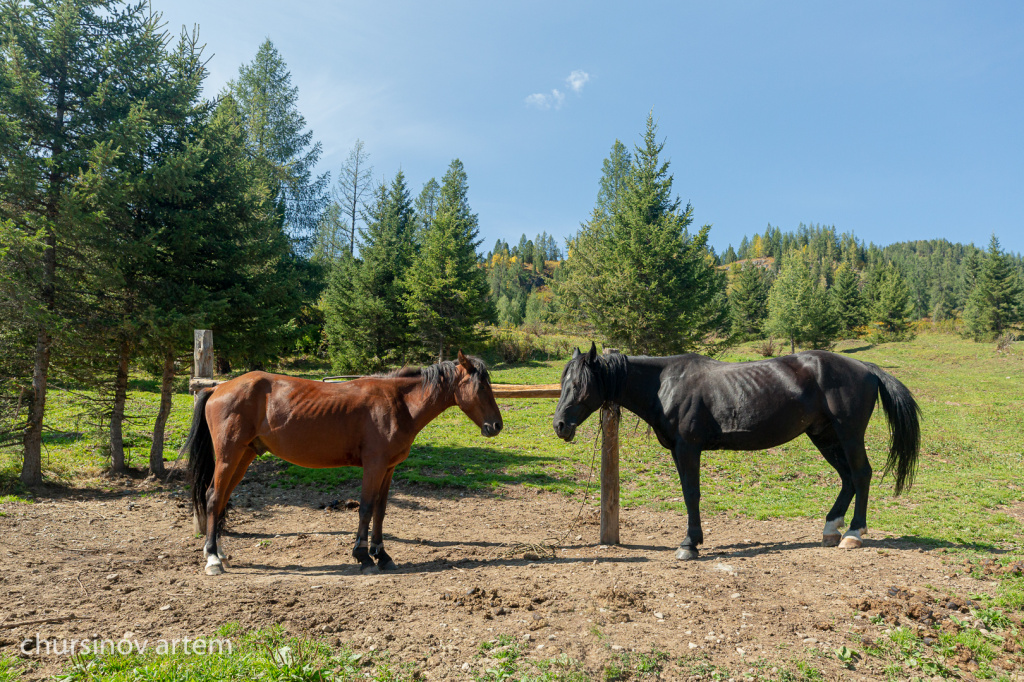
x=609 y=427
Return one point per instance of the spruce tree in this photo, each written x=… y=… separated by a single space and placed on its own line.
x=614 y=171
x=426 y=207
x=891 y=307
x=997 y=300
x=799 y=307
x=68 y=73
x=637 y=276
x=366 y=322
x=448 y=295
x=748 y=300
x=848 y=300
x=276 y=137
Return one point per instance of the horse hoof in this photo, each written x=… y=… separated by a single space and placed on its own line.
x=850 y=542
x=388 y=565
x=686 y=553
x=369 y=570
x=214 y=569
x=830 y=540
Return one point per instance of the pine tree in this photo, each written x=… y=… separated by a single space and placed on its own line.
x=637 y=275
x=891 y=307
x=131 y=187
x=66 y=74
x=367 y=325
x=614 y=171
x=448 y=295
x=354 y=182
x=997 y=300
x=426 y=207
x=275 y=135
x=848 y=300
x=215 y=230
x=748 y=300
x=799 y=307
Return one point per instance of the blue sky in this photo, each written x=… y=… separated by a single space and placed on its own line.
x=896 y=121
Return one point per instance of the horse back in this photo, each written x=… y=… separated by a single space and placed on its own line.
x=761 y=404
x=306 y=422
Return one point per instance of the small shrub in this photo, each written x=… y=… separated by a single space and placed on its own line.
x=768 y=348
x=1005 y=341
x=512 y=347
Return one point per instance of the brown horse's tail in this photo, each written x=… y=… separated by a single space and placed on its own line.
x=902 y=412
x=201 y=459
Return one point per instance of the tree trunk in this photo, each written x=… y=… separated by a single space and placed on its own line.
x=792 y=345
x=117 y=415
x=32 y=468
x=440 y=351
x=156 y=450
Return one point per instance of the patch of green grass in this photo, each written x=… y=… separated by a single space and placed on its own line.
x=263 y=654
x=11 y=668
x=804 y=672
x=639 y=666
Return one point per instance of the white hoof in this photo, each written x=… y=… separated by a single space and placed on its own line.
x=851 y=540
x=214 y=566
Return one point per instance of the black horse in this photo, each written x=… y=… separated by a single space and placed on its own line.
x=694 y=403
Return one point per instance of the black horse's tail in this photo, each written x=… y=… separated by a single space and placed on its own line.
x=201 y=459
x=902 y=412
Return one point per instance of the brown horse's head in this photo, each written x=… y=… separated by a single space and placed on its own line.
x=474 y=397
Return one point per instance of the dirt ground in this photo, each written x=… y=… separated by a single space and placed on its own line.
x=763 y=593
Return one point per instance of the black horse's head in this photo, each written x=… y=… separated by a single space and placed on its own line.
x=582 y=392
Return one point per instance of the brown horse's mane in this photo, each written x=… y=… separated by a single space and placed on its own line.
x=437 y=377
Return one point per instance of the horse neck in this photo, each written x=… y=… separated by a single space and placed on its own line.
x=425 y=405
x=640 y=389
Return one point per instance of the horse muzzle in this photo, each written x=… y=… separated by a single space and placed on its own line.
x=565 y=430
x=491 y=429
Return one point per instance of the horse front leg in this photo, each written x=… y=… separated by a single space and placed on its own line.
x=371 y=484
x=687 y=460
x=384 y=562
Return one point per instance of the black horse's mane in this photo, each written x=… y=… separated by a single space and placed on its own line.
x=439 y=376
x=607 y=371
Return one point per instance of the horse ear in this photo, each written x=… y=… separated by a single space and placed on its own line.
x=464 y=361
x=592 y=355
x=575 y=353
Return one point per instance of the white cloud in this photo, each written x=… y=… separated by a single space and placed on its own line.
x=577 y=79
x=556 y=98
x=542 y=101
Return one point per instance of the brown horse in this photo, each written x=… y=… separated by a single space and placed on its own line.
x=369 y=423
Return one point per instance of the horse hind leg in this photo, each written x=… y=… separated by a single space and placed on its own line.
x=229 y=472
x=860 y=470
x=829 y=446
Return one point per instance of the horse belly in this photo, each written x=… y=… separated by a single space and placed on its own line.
x=322 y=447
x=746 y=428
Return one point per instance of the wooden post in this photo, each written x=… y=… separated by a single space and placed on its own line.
x=202 y=356
x=203 y=353
x=610 y=472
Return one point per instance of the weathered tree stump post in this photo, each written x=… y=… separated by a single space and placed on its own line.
x=610 y=471
x=202 y=354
